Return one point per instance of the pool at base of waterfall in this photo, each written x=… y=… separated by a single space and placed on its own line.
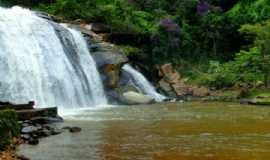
x=165 y=131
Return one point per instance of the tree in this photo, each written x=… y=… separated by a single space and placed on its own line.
x=260 y=33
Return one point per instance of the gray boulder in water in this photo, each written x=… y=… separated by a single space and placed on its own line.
x=132 y=97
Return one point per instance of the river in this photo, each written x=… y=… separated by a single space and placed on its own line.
x=165 y=131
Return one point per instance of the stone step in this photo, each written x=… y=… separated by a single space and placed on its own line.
x=27 y=114
x=8 y=105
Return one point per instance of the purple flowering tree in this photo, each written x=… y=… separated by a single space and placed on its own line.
x=167 y=41
x=203 y=7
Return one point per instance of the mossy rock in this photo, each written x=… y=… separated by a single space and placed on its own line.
x=9 y=127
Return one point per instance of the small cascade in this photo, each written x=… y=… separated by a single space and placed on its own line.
x=142 y=83
x=45 y=62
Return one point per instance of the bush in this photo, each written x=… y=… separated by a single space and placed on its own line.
x=130 y=50
x=245 y=69
x=9 y=127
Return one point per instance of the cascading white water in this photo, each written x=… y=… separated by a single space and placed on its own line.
x=142 y=83
x=36 y=63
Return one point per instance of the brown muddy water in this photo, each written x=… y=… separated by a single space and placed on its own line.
x=170 y=131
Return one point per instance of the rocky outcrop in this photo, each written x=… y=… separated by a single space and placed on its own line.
x=100 y=28
x=174 y=85
x=108 y=57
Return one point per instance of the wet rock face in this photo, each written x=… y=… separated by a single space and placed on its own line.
x=112 y=75
x=106 y=53
x=75 y=129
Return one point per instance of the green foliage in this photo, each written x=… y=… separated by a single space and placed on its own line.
x=249 y=11
x=245 y=69
x=8 y=127
x=261 y=34
x=130 y=50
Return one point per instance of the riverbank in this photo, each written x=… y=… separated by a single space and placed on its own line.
x=22 y=123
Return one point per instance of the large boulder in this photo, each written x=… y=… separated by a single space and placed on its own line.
x=115 y=95
x=173 y=85
x=133 y=98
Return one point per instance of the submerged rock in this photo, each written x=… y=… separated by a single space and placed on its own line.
x=22 y=157
x=75 y=129
x=33 y=141
x=137 y=98
x=56 y=131
x=25 y=136
x=28 y=130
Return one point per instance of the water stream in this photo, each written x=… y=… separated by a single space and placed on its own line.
x=142 y=83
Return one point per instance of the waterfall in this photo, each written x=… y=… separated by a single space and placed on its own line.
x=142 y=83
x=45 y=62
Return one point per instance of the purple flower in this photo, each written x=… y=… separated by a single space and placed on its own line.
x=169 y=26
x=203 y=7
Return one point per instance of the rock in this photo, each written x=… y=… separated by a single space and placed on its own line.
x=75 y=129
x=100 y=28
x=39 y=127
x=169 y=72
x=137 y=98
x=246 y=101
x=25 y=124
x=28 y=130
x=33 y=141
x=94 y=47
x=109 y=57
x=35 y=136
x=25 y=136
x=112 y=73
x=244 y=91
x=22 y=157
x=56 y=131
x=116 y=95
x=47 y=126
x=27 y=114
x=66 y=128
x=46 y=120
x=17 y=107
x=44 y=133
x=200 y=91
x=173 y=85
x=165 y=86
x=181 y=89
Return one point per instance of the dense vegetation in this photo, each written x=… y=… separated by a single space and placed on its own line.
x=224 y=43
x=9 y=127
